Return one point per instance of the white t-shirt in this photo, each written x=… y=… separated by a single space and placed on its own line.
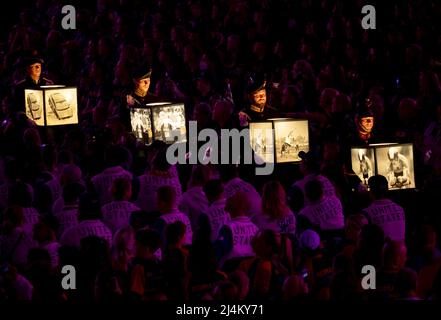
x=243 y=232
x=389 y=216
x=103 y=182
x=116 y=214
x=235 y=185
x=216 y=217
x=193 y=203
x=67 y=217
x=73 y=235
x=52 y=248
x=149 y=184
x=286 y=224
x=327 y=213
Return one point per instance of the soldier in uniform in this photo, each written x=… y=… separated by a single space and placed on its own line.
x=258 y=108
x=140 y=95
x=33 y=80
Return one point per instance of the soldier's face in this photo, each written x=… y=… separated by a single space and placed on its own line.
x=143 y=84
x=34 y=70
x=367 y=124
x=259 y=98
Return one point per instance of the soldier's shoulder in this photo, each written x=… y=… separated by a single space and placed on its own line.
x=48 y=81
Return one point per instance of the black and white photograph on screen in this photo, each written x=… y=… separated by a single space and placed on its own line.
x=140 y=120
x=396 y=163
x=61 y=106
x=34 y=106
x=169 y=123
x=262 y=140
x=291 y=137
x=363 y=163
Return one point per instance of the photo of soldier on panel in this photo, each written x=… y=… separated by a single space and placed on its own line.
x=291 y=137
x=262 y=140
x=363 y=163
x=169 y=123
x=396 y=164
x=140 y=120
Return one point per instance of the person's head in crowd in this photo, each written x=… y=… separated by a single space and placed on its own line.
x=322 y=81
x=406 y=286
x=199 y=176
x=121 y=189
x=309 y=241
x=140 y=219
x=12 y=170
x=202 y=114
x=45 y=229
x=160 y=162
x=424 y=240
x=204 y=84
x=71 y=192
x=302 y=70
x=266 y=244
x=214 y=190
x=274 y=200
x=327 y=98
x=378 y=186
x=175 y=234
x=123 y=249
x=31 y=138
x=117 y=156
x=13 y=217
x=290 y=98
x=407 y=111
x=20 y=194
x=365 y=121
x=226 y=291
x=167 y=199
x=141 y=80
x=429 y=83
x=371 y=236
x=310 y=163
x=394 y=255
x=49 y=156
x=33 y=66
x=353 y=226
x=238 y=205
x=228 y=172
x=71 y=173
x=88 y=207
x=147 y=242
x=256 y=90
x=314 y=190
x=222 y=112
x=341 y=104
x=344 y=287
x=95 y=253
x=241 y=280
x=294 y=287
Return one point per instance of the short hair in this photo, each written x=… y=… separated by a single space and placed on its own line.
x=314 y=190
x=167 y=194
x=89 y=207
x=20 y=194
x=174 y=232
x=378 y=185
x=213 y=188
x=160 y=161
x=148 y=238
x=72 y=191
x=119 y=188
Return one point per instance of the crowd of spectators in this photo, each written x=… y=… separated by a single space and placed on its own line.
x=136 y=227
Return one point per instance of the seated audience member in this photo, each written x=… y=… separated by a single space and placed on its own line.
x=89 y=215
x=215 y=216
x=168 y=208
x=116 y=214
x=383 y=211
x=235 y=237
x=323 y=211
x=68 y=215
x=276 y=214
x=193 y=201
